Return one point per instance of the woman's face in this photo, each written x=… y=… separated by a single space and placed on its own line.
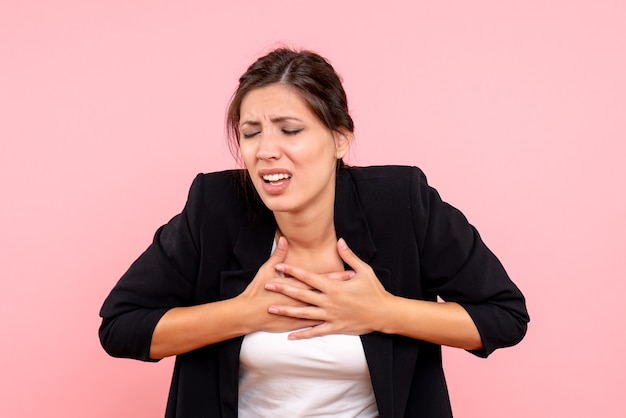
x=289 y=153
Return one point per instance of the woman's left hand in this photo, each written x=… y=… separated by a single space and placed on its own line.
x=355 y=306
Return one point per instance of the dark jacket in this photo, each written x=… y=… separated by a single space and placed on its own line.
x=419 y=247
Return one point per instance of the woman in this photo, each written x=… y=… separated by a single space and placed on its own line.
x=301 y=287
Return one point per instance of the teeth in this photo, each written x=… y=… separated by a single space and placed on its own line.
x=276 y=177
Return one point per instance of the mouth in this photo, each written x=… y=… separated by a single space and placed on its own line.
x=275 y=178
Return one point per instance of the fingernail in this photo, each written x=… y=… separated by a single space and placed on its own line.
x=279 y=267
x=342 y=244
x=351 y=274
x=270 y=286
x=272 y=309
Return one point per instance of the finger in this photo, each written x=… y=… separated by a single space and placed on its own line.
x=305 y=295
x=297 y=273
x=340 y=275
x=314 y=280
x=292 y=281
x=349 y=256
x=280 y=252
x=317 y=331
x=311 y=313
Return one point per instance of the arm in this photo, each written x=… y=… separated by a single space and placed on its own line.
x=457 y=266
x=185 y=329
x=445 y=323
x=163 y=277
x=135 y=326
x=361 y=305
x=150 y=312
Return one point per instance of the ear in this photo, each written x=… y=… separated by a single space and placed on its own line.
x=343 y=141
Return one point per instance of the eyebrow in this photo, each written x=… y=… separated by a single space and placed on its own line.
x=274 y=120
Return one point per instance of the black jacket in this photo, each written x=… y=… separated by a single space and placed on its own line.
x=419 y=247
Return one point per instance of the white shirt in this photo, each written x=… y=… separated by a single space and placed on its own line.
x=319 y=377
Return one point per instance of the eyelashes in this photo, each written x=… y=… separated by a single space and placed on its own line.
x=291 y=132
x=249 y=135
x=288 y=132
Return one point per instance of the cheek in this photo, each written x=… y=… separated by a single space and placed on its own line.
x=327 y=156
x=316 y=151
x=246 y=155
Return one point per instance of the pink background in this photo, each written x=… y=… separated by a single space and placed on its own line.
x=515 y=110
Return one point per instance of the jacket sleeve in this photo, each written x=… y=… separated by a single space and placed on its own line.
x=457 y=266
x=163 y=277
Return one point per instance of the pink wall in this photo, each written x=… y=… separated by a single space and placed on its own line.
x=516 y=112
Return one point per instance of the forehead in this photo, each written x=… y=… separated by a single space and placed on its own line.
x=274 y=101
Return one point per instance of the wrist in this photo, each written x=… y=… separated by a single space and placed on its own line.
x=243 y=316
x=386 y=314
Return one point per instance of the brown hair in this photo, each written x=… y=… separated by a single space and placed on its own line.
x=309 y=74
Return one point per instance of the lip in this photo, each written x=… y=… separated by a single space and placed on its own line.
x=277 y=170
x=278 y=187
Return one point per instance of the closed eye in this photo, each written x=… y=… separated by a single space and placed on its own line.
x=292 y=131
x=249 y=135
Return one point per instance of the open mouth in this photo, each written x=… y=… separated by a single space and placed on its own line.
x=275 y=178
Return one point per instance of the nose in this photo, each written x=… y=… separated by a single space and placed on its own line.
x=268 y=147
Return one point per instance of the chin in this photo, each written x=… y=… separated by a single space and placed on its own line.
x=275 y=206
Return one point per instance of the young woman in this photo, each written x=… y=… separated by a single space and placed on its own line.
x=301 y=287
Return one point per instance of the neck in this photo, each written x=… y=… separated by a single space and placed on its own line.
x=306 y=232
x=311 y=227
x=310 y=233
x=312 y=242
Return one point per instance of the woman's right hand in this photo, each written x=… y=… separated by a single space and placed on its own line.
x=184 y=329
x=258 y=299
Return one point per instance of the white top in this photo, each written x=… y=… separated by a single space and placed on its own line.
x=318 y=377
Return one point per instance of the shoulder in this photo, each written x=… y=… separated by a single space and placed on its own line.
x=386 y=178
x=217 y=192
x=389 y=188
x=225 y=193
x=385 y=172
x=219 y=179
x=220 y=184
x=393 y=189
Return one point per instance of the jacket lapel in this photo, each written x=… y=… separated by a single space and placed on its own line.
x=350 y=221
x=351 y=225
x=251 y=250
x=256 y=235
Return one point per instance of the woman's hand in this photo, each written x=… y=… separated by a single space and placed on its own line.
x=188 y=328
x=258 y=297
x=359 y=304
x=339 y=303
